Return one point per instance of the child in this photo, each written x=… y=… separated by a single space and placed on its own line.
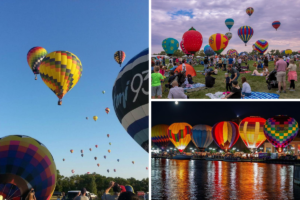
x=228 y=85
x=220 y=63
x=215 y=72
x=156 y=79
x=255 y=65
x=190 y=79
x=162 y=70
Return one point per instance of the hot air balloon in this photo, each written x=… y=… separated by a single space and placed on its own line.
x=115 y=170
x=96 y=146
x=288 y=52
x=276 y=24
x=229 y=35
x=132 y=162
x=61 y=71
x=249 y=11
x=146 y=168
x=71 y=150
x=183 y=49
x=229 y=23
x=108 y=151
x=130 y=98
x=118 y=160
x=108 y=135
x=104 y=157
x=170 y=46
x=209 y=51
x=90 y=149
x=88 y=172
x=107 y=110
x=34 y=58
x=98 y=165
x=218 y=42
x=201 y=136
x=129 y=188
x=119 y=57
x=253 y=47
x=244 y=53
x=232 y=52
x=251 y=130
x=280 y=130
x=103 y=92
x=108 y=170
x=81 y=151
x=282 y=52
x=180 y=135
x=63 y=159
x=261 y=46
x=87 y=118
x=73 y=171
x=159 y=136
x=109 y=143
x=225 y=134
x=245 y=33
x=192 y=40
x=95 y=158
x=25 y=163
x=82 y=155
x=95 y=118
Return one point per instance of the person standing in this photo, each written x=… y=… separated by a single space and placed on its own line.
x=292 y=75
x=266 y=63
x=117 y=190
x=156 y=79
x=205 y=63
x=281 y=67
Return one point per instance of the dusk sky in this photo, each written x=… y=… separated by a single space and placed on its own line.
x=172 y=18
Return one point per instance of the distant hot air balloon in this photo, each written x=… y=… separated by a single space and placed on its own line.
x=209 y=51
x=225 y=134
x=115 y=170
x=81 y=155
x=108 y=170
x=132 y=162
x=288 y=52
x=95 y=118
x=61 y=71
x=104 y=157
x=245 y=33
x=108 y=135
x=34 y=58
x=170 y=46
x=280 y=130
x=87 y=118
x=88 y=172
x=218 y=42
x=253 y=47
x=73 y=171
x=232 y=52
x=108 y=151
x=90 y=149
x=81 y=151
x=276 y=24
x=98 y=165
x=229 y=23
x=107 y=110
x=201 y=136
x=192 y=40
x=96 y=146
x=95 y=158
x=109 y=143
x=119 y=57
x=261 y=46
x=103 y=92
x=282 y=52
x=130 y=98
x=229 y=35
x=251 y=130
x=63 y=159
x=180 y=135
x=118 y=160
x=249 y=11
x=183 y=49
x=146 y=168
x=159 y=136
x=71 y=150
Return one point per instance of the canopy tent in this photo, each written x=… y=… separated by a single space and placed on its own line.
x=189 y=70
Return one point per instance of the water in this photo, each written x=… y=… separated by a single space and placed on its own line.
x=201 y=179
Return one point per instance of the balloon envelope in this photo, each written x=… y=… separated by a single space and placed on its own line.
x=119 y=57
x=192 y=40
x=183 y=49
x=288 y=51
x=95 y=118
x=170 y=45
x=159 y=136
x=249 y=11
x=130 y=98
x=245 y=33
x=276 y=24
x=180 y=135
x=225 y=134
x=232 y=52
x=229 y=35
x=218 y=42
x=261 y=46
x=34 y=58
x=201 y=136
x=209 y=51
x=229 y=23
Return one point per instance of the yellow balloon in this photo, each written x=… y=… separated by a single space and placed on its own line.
x=61 y=71
x=95 y=118
x=180 y=135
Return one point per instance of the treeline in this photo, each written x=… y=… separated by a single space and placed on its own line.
x=96 y=183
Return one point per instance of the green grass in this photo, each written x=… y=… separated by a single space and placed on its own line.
x=257 y=83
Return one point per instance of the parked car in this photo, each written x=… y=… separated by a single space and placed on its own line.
x=73 y=193
x=93 y=196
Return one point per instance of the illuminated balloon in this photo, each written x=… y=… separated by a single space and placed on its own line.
x=98 y=165
x=95 y=118
x=71 y=150
x=103 y=92
x=119 y=57
x=249 y=11
x=252 y=131
x=34 y=58
x=130 y=98
x=25 y=163
x=209 y=51
x=253 y=47
x=180 y=135
x=229 y=35
x=218 y=42
x=170 y=46
x=107 y=110
x=159 y=136
x=276 y=24
x=261 y=46
x=192 y=40
x=288 y=51
x=245 y=33
x=96 y=146
x=108 y=151
x=280 y=130
x=90 y=149
x=183 y=49
x=232 y=52
x=229 y=23
x=225 y=134
x=243 y=53
x=95 y=158
x=201 y=136
x=60 y=71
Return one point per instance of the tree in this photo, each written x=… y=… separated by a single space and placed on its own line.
x=272 y=51
x=178 y=53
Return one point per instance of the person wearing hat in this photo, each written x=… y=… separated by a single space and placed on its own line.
x=123 y=189
x=129 y=188
x=128 y=196
x=82 y=195
x=117 y=190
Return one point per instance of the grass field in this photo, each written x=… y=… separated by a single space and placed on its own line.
x=257 y=83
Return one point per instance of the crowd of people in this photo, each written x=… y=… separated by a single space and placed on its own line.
x=285 y=69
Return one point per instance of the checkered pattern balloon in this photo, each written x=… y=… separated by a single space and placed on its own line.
x=281 y=130
x=34 y=58
x=249 y=11
x=232 y=52
x=26 y=163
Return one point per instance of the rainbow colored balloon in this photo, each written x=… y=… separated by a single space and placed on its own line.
x=218 y=42
x=232 y=52
x=170 y=45
x=245 y=33
x=280 y=130
x=249 y=11
x=261 y=46
x=288 y=51
x=34 y=58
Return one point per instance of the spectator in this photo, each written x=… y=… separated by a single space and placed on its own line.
x=117 y=190
x=234 y=74
x=209 y=80
x=235 y=92
x=292 y=75
x=128 y=196
x=123 y=189
x=63 y=196
x=31 y=195
x=246 y=89
x=227 y=81
x=205 y=63
x=176 y=92
x=82 y=195
x=156 y=79
x=281 y=67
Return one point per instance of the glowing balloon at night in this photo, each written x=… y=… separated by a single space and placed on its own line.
x=180 y=135
x=34 y=58
x=130 y=98
x=229 y=23
x=276 y=24
x=280 y=131
x=159 y=136
x=252 y=131
x=261 y=46
x=170 y=46
x=201 y=136
x=225 y=134
x=249 y=11
x=245 y=33
x=218 y=42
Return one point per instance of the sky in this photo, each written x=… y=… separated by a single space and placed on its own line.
x=172 y=18
x=93 y=31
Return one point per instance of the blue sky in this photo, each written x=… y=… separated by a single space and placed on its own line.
x=92 y=30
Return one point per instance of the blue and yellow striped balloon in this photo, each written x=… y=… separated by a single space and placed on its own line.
x=229 y=23
x=170 y=45
x=245 y=33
